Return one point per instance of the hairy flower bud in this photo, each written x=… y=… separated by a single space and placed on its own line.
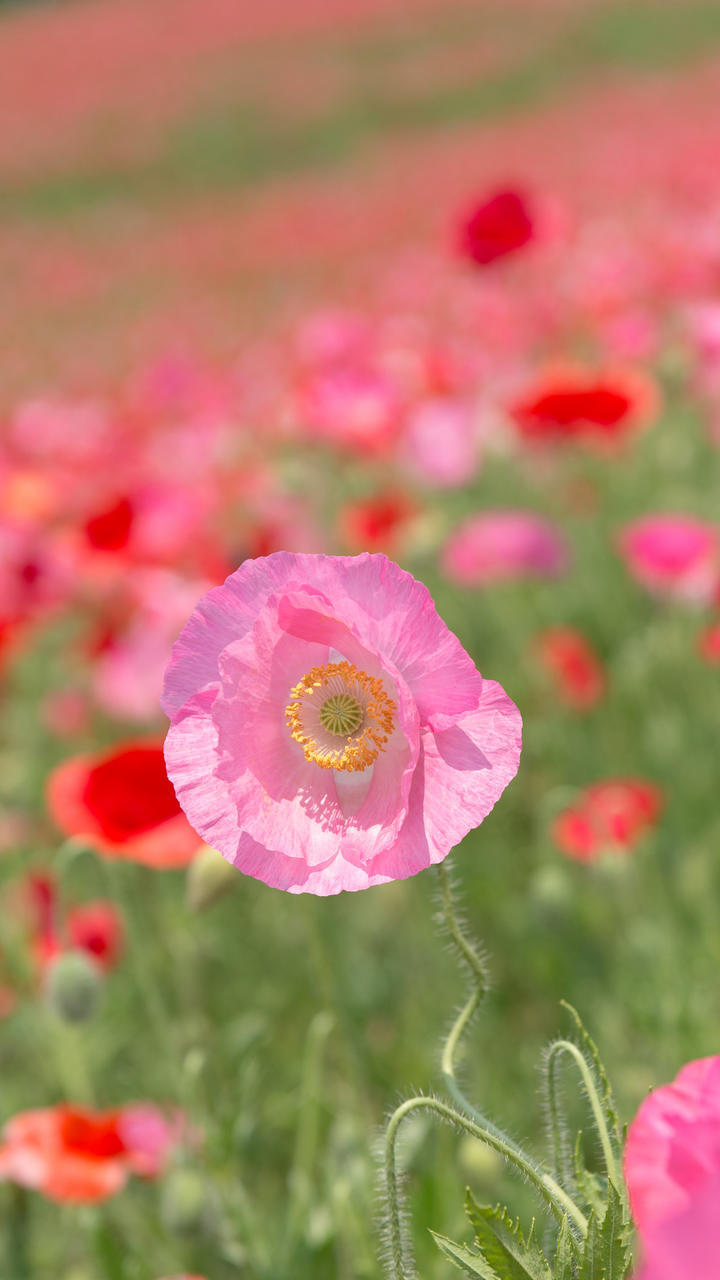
x=187 y=1207
x=209 y=876
x=72 y=986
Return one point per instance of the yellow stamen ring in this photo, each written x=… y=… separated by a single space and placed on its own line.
x=337 y=702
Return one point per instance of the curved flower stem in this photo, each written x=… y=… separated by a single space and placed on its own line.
x=567 y=1046
x=559 y=1203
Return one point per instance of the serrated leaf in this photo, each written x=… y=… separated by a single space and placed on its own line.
x=614 y=1233
x=591 y=1267
x=473 y=1264
x=589 y=1184
x=565 y=1249
x=500 y=1240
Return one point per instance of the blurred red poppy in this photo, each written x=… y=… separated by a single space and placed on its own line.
x=77 y=1155
x=97 y=929
x=576 y=670
x=571 y=403
x=123 y=804
x=495 y=228
x=610 y=816
x=376 y=523
x=709 y=643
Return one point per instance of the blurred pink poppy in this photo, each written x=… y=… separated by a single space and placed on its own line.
x=672 y=1154
x=440 y=443
x=674 y=555
x=684 y=1246
x=494 y=546
x=328 y=732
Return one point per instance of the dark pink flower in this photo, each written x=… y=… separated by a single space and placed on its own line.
x=496 y=227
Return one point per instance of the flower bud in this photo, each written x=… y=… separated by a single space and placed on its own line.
x=209 y=876
x=72 y=986
x=186 y=1205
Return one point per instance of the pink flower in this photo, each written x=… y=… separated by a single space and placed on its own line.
x=676 y=555
x=328 y=731
x=496 y=545
x=440 y=443
x=685 y=1246
x=673 y=1146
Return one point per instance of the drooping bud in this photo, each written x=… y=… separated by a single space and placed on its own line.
x=187 y=1206
x=209 y=876
x=72 y=986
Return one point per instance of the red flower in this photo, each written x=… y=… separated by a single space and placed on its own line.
x=609 y=816
x=569 y=403
x=374 y=524
x=499 y=226
x=81 y=1156
x=109 y=530
x=96 y=928
x=575 y=667
x=709 y=643
x=123 y=804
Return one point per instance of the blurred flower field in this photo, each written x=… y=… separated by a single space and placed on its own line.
x=439 y=281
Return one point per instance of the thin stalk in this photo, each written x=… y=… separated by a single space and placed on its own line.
x=567 y=1046
x=306 y=1139
x=557 y=1200
x=18 y=1234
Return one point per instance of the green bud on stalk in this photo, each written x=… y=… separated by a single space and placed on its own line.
x=73 y=986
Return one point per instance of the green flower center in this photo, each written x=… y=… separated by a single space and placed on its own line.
x=341 y=714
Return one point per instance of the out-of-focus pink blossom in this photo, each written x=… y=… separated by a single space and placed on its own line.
x=672 y=1154
x=685 y=1245
x=440 y=443
x=674 y=555
x=494 y=546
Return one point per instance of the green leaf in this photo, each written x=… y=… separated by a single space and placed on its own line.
x=589 y=1184
x=565 y=1249
x=473 y=1264
x=501 y=1241
x=606 y=1254
x=615 y=1234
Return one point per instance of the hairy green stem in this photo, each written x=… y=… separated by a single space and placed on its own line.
x=558 y=1202
x=567 y=1047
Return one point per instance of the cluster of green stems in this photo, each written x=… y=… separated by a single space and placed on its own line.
x=463 y=1115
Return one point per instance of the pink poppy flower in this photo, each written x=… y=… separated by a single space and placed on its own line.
x=499 y=226
x=673 y=1145
x=440 y=443
x=675 y=555
x=328 y=731
x=685 y=1246
x=494 y=546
